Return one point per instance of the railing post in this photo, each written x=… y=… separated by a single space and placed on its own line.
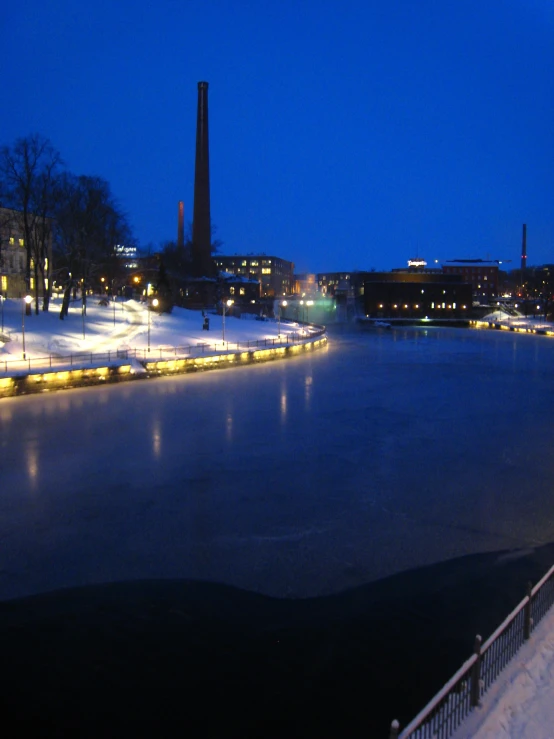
x=527 y=620
x=394 y=727
x=476 y=672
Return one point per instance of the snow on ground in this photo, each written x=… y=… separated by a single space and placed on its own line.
x=517 y=320
x=520 y=704
x=123 y=326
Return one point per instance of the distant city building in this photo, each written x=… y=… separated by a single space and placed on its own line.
x=13 y=255
x=275 y=275
x=305 y=284
x=242 y=290
x=331 y=283
x=127 y=256
x=480 y=274
x=410 y=294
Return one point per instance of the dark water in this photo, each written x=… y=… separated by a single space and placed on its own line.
x=387 y=451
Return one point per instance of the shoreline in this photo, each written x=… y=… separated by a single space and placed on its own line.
x=67 y=378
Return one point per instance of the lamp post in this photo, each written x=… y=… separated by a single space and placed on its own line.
x=113 y=300
x=154 y=303
x=26 y=301
x=227 y=303
x=308 y=303
x=283 y=302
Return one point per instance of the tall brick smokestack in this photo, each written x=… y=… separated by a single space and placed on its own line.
x=524 y=248
x=181 y=224
x=201 y=224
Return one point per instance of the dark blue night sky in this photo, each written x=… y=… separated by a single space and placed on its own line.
x=343 y=135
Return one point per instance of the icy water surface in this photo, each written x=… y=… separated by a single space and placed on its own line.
x=386 y=451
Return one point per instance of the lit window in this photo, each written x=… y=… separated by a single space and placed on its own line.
x=32 y=286
x=243 y=262
x=254 y=263
x=21 y=242
x=232 y=290
x=12 y=240
x=241 y=291
x=4 y=283
x=266 y=270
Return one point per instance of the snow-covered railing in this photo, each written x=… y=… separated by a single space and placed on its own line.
x=446 y=711
x=81 y=358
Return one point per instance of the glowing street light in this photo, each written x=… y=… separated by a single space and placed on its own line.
x=27 y=300
x=155 y=304
x=227 y=303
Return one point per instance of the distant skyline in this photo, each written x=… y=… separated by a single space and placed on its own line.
x=352 y=135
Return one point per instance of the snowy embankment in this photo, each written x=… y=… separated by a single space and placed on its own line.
x=125 y=327
x=520 y=704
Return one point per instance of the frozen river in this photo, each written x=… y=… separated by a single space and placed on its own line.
x=386 y=451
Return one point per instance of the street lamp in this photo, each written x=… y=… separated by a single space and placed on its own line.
x=308 y=303
x=27 y=300
x=113 y=300
x=155 y=304
x=283 y=302
x=227 y=303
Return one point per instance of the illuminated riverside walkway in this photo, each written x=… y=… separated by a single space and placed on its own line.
x=82 y=373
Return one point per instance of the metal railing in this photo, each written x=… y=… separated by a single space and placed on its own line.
x=452 y=704
x=52 y=361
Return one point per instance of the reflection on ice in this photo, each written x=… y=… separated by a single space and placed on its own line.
x=156 y=438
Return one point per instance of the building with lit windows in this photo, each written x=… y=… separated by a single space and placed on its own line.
x=13 y=255
x=409 y=294
x=480 y=274
x=127 y=256
x=275 y=275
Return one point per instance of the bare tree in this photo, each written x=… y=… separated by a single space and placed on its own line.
x=28 y=173
x=89 y=224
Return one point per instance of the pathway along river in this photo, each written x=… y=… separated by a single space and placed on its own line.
x=388 y=450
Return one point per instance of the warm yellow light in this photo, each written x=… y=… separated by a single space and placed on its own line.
x=155 y=302
x=28 y=299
